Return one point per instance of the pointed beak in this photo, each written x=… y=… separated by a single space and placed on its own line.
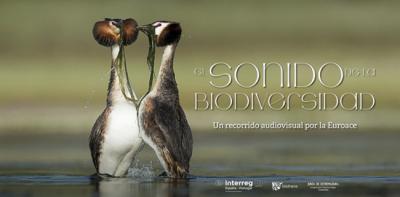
x=146 y=28
x=118 y=23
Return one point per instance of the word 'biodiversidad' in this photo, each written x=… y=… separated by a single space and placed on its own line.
x=298 y=76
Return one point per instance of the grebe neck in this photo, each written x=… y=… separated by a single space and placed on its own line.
x=115 y=94
x=166 y=76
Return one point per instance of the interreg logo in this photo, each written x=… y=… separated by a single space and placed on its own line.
x=238 y=185
x=276 y=186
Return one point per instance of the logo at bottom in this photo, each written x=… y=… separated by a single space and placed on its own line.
x=276 y=186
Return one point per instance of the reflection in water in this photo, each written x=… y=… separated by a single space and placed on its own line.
x=130 y=187
x=116 y=187
x=173 y=187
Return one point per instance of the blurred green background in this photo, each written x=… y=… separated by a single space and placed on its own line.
x=54 y=75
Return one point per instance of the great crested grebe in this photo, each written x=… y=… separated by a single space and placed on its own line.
x=115 y=139
x=161 y=118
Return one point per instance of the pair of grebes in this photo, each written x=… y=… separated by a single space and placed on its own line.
x=157 y=120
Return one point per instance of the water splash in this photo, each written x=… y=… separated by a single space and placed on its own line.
x=141 y=170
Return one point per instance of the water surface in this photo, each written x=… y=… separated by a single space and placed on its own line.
x=363 y=163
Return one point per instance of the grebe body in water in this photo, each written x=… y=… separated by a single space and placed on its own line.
x=115 y=139
x=162 y=120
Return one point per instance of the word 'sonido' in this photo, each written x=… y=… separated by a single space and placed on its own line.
x=291 y=76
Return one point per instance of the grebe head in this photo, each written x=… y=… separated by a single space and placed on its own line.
x=167 y=32
x=108 y=31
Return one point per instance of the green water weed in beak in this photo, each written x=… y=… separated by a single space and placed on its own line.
x=122 y=71
x=149 y=31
